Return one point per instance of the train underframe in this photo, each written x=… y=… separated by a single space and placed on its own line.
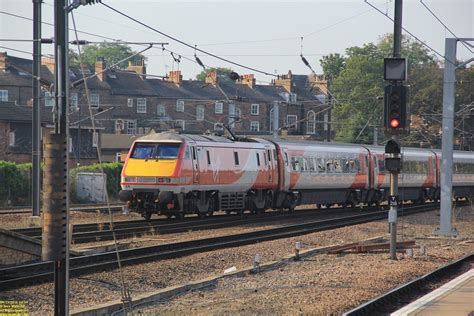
x=205 y=203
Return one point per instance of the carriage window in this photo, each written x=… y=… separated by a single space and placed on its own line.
x=275 y=157
x=258 y=159
x=269 y=155
x=381 y=166
x=143 y=151
x=236 y=158
x=310 y=162
x=194 y=153
x=208 y=157
x=294 y=164
x=337 y=166
x=286 y=159
x=321 y=165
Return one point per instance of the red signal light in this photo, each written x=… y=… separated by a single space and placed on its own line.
x=394 y=123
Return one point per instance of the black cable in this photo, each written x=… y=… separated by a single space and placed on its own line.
x=415 y=37
x=186 y=44
x=445 y=26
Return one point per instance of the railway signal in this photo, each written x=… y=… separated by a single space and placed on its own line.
x=395 y=104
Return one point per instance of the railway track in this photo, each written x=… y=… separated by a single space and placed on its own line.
x=400 y=296
x=17 y=276
x=81 y=208
x=126 y=229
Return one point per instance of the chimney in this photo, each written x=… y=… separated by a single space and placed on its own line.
x=49 y=63
x=138 y=67
x=285 y=81
x=211 y=78
x=175 y=77
x=99 y=68
x=3 y=61
x=248 y=79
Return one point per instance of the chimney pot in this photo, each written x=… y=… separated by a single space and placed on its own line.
x=211 y=78
x=175 y=77
x=100 y=67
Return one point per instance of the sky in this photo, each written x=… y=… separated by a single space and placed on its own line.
x=262 y=34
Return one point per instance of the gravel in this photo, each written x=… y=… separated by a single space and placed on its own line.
x=325 y=284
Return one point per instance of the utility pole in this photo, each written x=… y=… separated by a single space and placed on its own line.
x=394 y=118
x=36 y=132
x=56 y=156
x=276 y=119
x=446 y=185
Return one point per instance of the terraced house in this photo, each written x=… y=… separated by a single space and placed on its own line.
x=129 y=103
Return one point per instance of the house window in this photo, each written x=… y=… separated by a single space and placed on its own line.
x=179 y=106
x=94 y=100
x=73 y=100
x=4 y=95
x=179 y=124
x=119 y=126
x=11 y=141
x=161 y=110
x=95 y=139
x=254 y=126
x=140 y=131
x=292 y=97
x=130 y=102
x=141 y=105
x=48 y=99
x=131 y=127
x=311 y=123
x=291 y=121
x=70 y=145
x=219 y=108
x=254 y=109
x=200 y=112
x=218 y=127
x=146 y=130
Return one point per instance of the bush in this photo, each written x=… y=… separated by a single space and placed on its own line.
x=15 y=183
x=111 y=169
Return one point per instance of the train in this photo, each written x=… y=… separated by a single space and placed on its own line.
x=175 y=174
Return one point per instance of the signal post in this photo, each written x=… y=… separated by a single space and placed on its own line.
x=395 y=120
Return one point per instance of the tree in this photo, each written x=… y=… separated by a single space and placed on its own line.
x=359 y=86
x=222 y=73
x=332 y=65
x=112 y=53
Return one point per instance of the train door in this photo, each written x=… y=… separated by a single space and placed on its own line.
x=270 y=165
x=285 y=170
x=194 y=158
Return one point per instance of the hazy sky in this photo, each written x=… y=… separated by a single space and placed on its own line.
x=261 y=34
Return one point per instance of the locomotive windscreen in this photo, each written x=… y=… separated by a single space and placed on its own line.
x=155 y=151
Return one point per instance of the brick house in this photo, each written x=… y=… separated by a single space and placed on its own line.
x=132 y=102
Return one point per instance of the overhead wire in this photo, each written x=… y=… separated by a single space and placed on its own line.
x=413 y=35
x=126 y=296
x=186 y=44
x=443 y=24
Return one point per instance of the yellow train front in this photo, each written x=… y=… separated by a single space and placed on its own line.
x=153 y=173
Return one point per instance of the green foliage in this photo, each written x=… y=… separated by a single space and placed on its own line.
x=332 y=65
x=15 y=182
x=359 y=85
x=112 y=53
x=111 y=169
x=222 y=74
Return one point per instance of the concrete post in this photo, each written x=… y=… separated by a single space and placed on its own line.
x=276 y=119
x=449 y=80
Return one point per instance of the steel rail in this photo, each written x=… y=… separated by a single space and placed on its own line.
x=390 y=301
x=126 y=229
x=17 y=276
x=88 y=208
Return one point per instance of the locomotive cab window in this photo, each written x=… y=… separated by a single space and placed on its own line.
x=155 y=151
x=167 y=151
x=208 y=157
x=143 y=151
